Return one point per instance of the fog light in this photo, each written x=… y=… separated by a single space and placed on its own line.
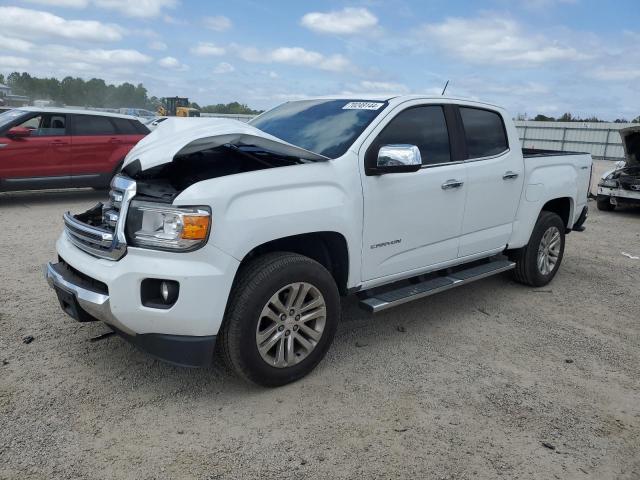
x=158 y=293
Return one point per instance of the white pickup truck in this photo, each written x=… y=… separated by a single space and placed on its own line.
x=243 y=237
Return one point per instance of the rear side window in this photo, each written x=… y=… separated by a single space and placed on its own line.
x=124 y=126
x=484 y=131
x=424 y=127
x=93 y=125
x=139 y=127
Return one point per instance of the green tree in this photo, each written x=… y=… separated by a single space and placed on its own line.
x=544 y=118
x=566 y=117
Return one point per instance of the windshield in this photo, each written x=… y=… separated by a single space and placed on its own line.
x=327 y=127
x=9 y=116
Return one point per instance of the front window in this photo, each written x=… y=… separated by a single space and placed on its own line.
x=8 y=117
x=327 y=127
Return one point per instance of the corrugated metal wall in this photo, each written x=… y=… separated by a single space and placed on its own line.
x=601 y=140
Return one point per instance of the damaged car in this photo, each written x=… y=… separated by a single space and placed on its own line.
x=242 y=238
x=622 y=184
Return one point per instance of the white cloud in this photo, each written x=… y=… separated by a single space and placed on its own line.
x=540 y=4
x=97 y=56
x=386 y=87
x=172 y=63
x=619 y=74
x=347 y=21
x=218 y=23
x=15 y=44
x=204 y=49
x=137 y=8
x=491 y=40
x=157 y=45
x=60 y=3
x=8 y=62
x=293 y=56
x=272 y=74
x=223 y=67
x=23 y=22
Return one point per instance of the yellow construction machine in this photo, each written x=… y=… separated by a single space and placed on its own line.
x=177 y=107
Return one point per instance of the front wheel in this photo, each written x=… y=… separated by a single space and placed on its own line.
x=282 y=315
x=538 y=262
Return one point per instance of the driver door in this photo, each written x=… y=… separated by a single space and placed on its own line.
x=413 y=220
x=42 y=157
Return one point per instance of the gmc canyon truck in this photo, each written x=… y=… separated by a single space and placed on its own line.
x=243 y=237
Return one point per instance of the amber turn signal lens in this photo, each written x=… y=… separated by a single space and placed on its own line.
x=195 y=227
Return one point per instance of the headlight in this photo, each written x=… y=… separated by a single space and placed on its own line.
x=609 y=182
x=165 y=227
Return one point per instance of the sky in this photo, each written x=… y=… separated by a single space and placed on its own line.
x=530 y=56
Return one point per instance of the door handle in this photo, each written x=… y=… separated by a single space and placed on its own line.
x=449 y=184
x=114 y=140
x=57 y=143
x=510 y=175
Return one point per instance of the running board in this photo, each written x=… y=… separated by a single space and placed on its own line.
x=392 y=298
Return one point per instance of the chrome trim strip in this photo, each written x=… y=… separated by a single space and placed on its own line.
x=479 y=159
x=457 y=162
x=112 y=254
x=128 y=188
x=90 y=240
x=72 y=222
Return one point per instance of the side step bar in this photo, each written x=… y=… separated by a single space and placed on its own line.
x=393 y=298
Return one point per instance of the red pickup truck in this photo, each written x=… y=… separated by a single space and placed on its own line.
x=59 y=148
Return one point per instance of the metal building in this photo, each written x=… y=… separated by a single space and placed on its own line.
x=601 y=140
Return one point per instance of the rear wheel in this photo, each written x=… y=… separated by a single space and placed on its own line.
x=604 y=203
x=282 y=316
x=538 y=262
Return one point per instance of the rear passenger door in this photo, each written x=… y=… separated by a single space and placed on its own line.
x=95 y=140
x=494 y=181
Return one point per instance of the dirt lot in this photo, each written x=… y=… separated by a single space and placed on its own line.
x=472 y=383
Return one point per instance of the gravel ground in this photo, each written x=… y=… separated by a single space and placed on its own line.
x=493 y=379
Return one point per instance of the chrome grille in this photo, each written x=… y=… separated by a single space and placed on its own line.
x=107 y=241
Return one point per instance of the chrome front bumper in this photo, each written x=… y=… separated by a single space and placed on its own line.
x=95 y=304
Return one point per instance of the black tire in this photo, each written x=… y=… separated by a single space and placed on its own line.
x=604 y=203
x=255 y=284
x=526 y=258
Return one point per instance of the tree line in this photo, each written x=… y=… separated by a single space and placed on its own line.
x=568 y=117
x=98 y=94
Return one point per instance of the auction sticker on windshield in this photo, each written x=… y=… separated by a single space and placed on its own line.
x=362 y=106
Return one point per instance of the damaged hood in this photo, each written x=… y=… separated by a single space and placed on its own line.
x=631 y=143
x=181 y=136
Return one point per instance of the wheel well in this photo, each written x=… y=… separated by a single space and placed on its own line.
x=560 y=206
x=327 y=248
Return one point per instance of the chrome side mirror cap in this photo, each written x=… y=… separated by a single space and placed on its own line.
x=398 y=158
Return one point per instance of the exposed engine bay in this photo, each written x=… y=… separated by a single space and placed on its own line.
x=165 y=182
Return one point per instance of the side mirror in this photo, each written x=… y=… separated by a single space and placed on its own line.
x=19 y=132
x=620 y=164
x=397 y=159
